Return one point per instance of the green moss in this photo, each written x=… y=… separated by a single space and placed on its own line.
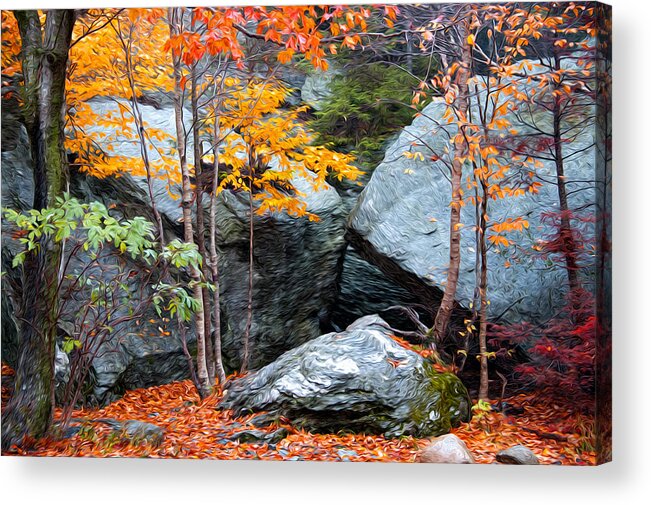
x=367 y=105
x=442 y=403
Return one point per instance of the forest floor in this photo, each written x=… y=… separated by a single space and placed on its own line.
x=196 y=429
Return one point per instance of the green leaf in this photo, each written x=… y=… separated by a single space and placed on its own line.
x=19 y=259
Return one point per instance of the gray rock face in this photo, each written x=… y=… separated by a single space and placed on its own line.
x=358 y=380
x=446 y=449
x=17 y=181
x=296 y=264
x=517 y=455
x=365 y=289
x=295 y=272
x=10 y=339
x=295 y=260
x=401 y=222
x=315 y=89
x=138 y=355
x=114 y=141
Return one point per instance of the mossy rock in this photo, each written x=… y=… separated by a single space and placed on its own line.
x=360 y=381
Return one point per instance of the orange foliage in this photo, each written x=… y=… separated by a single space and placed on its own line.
x=10 y=45
x=195 y=429
x=551 y=430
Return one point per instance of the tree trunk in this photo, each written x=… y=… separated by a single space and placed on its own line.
x=214 y=260
x=44 y=58
x=201 y=228
x=569 y=249
x=186 y=204
x=246 y=338
x=447 y=303
x=483 y=291
x=144 y=153
x=603 y=232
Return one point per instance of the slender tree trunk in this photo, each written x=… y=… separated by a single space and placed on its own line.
x=447 y=303
x=483 y=298
x=186 y=204
x=201 y=229
x=246 y=339
x=144 y=153
x=570 y=249
x=186 y=353
x=44 y=58
x=214 y=260
x=603 y=291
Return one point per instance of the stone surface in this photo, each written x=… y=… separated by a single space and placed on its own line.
x=446 y=449
x=159 y=117
x=359 y=380
x=259 y=436
x=517 y=455
x=401 y=223
x=139 y=432
x=296 y=262
x=296 y=265
x=140 y=356
x=315 y=89
x=365 y=289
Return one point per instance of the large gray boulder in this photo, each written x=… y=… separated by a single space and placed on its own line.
x=296 y=262
x=295 y=270
x=138 y=354
x=316 y=88
x=401 y=221
x=17 y=193
x=115 y=141
x=358 y=380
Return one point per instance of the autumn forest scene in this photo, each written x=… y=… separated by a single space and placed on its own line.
x=327 y=232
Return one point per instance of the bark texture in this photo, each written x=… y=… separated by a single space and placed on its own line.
x=28 y=415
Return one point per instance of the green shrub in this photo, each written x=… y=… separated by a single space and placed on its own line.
x=367 y=105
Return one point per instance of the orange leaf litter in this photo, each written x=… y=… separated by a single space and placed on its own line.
x=195 y=429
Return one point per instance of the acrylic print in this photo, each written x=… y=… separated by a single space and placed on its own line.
x=334 y=233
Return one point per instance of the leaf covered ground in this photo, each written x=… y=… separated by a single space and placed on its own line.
x=196 y=429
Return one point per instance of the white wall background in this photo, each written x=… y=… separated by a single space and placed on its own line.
x=627 y=480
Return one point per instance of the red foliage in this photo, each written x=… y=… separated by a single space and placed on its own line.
x=579 y=236
x=563 y=350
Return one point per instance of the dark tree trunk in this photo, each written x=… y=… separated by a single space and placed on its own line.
x=246 y=337
x=483 y=297
x=603 y=132
x=567 y=236
x=44 y=58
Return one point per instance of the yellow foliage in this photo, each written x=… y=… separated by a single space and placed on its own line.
x=107 y=42
x=272 y=148
x=99 y=69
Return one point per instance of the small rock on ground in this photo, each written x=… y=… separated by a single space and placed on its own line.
x=446 y=449
x=517 y=455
